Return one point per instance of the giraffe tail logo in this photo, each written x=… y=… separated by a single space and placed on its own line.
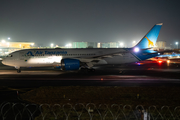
x=150 y=43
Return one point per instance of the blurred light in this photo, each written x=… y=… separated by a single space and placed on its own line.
x=177 y=44
x=168 y=61
x=3 y=41
x=20 y=45
x=57 y=46
x=32 y=44
x=136 y=49
x=99 y=45
x=52 y=44
x=8 y=44
x=121 y=44
x=138 y=63
x=134 y=41
x=159 y=61
x=9 y=38
x=68 y=45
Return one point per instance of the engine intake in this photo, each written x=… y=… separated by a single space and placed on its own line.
x=70 y=64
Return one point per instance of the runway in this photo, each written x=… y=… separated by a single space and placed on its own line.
x=145 y=75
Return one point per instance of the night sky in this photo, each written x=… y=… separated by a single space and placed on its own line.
x=63 y=21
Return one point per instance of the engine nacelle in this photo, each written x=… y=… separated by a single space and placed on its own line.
x=70 y=64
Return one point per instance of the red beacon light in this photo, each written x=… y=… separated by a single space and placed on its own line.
x=159 y=61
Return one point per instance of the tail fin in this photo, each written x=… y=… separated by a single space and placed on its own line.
x=149 y=40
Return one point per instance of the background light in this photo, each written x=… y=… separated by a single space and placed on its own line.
x=177 y=44
x=8 y=44
x=52 y=44
x=3 y=41
x=121 y=44
x=69 y=45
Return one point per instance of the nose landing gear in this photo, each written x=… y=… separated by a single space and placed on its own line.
x=18 y=69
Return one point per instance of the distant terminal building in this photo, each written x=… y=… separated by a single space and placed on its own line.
x=112 y=45
x=8 y=47
x=84 y=45
x=96 y=45
x=105 y=45
x=161 y=44
x=20 y=45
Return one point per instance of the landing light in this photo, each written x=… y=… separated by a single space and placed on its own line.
x=136 y=49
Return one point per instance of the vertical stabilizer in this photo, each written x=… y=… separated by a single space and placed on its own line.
x=149 y=40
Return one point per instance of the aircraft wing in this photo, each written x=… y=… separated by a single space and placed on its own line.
x=98 y=58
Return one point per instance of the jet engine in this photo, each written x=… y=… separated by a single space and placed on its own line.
x=70 y=64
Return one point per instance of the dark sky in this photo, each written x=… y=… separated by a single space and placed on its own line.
x=63 y=21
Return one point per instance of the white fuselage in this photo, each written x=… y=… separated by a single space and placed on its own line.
x=53 y=57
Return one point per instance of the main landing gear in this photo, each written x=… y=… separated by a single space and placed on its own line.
x=87 y=70
x=18 y=70
x=91 y=70
x=122 y=72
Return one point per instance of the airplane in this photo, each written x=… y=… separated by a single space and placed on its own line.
x=84 y=58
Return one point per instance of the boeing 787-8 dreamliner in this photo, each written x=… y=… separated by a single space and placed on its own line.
x=75 y=59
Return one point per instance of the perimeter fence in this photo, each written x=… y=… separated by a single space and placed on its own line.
x=90 y=111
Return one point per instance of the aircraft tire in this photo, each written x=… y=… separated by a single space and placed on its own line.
x=121 y=71
x=18 y=70
x=92 y=70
